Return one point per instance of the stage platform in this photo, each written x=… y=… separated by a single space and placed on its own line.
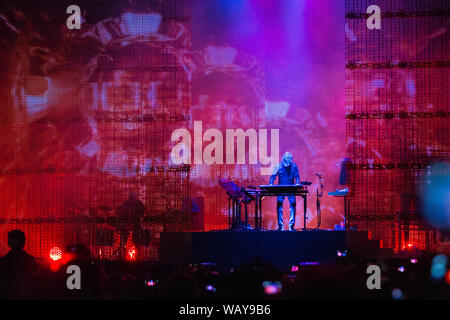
x=228 y=249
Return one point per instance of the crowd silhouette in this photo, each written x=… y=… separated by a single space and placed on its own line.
x=21 y=277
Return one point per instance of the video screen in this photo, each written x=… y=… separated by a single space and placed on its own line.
x=258 y=145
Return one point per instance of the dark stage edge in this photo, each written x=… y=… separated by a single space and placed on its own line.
x=229 y=249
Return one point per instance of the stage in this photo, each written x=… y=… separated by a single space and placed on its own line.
x=228 y=249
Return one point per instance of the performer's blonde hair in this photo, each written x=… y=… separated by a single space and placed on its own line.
x=287 y=155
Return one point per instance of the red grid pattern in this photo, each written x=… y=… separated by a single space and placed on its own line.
x=397 y=122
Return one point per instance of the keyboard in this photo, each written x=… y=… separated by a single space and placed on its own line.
x=284 y=189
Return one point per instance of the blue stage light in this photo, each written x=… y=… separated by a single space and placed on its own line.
x=438 y=266
x=436 y=192
x=397 y=294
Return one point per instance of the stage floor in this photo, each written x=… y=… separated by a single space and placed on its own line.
x=228 y=249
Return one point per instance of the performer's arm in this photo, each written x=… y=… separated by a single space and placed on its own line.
x=274 y=174
x=296 y=175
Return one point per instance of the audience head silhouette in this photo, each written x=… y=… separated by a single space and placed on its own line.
x=16 y=239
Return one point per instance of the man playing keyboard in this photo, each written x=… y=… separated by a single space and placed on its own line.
x=287 y=172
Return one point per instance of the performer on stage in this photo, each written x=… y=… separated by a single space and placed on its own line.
x=131 y=213
x=287 y=172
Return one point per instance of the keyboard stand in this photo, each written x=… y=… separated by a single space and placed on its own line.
x=344 y=195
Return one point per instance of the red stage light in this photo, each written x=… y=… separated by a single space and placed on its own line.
x=151 y=283
x=447 y=277
x=131 y=254
x=272 y=287
x=55 y=253
x=409 y=245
